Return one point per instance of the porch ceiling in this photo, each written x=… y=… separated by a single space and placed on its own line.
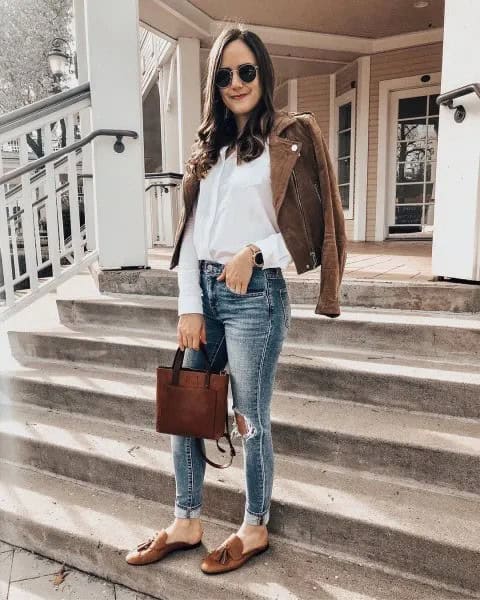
x=358 y=18
x=306 y=37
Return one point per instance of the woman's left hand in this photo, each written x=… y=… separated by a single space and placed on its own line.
x=238 y=271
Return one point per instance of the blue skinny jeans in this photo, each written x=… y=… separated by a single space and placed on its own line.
x=247 y=332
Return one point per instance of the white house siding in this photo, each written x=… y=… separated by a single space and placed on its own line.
x=409 y=62
x=314 y=94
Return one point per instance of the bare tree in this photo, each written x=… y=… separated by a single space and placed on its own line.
x=27 y=28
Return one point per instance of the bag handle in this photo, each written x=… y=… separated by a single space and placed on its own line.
x=178 y=362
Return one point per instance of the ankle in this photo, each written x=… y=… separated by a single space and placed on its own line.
x=249 y=529
x=189 y=523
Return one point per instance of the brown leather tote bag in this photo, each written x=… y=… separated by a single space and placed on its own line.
x=193 y=402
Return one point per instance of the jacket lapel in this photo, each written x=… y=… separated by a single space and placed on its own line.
x=283 y=156
x=284 y=153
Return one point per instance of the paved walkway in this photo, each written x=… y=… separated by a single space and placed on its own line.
x=28 y=576
x=382 y=261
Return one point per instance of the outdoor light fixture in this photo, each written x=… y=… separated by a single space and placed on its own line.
x=421 y=3
x=60 y=60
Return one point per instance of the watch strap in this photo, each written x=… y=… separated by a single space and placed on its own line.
x=254 y=252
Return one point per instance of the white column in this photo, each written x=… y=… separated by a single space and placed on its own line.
x=361 y=150
x=292 y=94
x=167 y=88
x=456 y=243
x=85 y=125
x=188 y=94
x=163 y=219
x=114 y=73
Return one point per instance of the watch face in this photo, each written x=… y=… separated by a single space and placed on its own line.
x=259 y=258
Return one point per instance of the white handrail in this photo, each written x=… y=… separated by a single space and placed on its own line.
x=43 y=201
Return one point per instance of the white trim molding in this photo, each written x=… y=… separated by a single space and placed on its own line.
x=385 y=87
x=407 y=40
x=335 y=42
x=305 y=39
x=347 y=97
x=292 y=91
x=331 y=122
x=361 y=150
x=307 y=59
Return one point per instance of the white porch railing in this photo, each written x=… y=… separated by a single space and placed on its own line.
x=162 y=207
x=44 y=211
x=12 y=146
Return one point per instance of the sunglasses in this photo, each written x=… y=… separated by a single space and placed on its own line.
x=247 y=73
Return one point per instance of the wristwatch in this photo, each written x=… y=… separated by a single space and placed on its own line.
x=257 y=256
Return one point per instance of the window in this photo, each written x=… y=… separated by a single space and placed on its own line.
x=416 y=135
x=345 y=149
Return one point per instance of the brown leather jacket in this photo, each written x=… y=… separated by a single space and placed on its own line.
x=306 y=201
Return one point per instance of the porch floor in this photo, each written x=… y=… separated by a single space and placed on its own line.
x=382 y=261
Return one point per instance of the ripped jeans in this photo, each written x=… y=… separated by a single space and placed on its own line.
x=247 y=331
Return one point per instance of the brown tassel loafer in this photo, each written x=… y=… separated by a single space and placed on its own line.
x=155 y=548
x=228 y=556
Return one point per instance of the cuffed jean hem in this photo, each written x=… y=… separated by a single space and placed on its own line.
x=252 y=519
x=187 y=513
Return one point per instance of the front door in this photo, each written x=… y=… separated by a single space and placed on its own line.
x=412 y=165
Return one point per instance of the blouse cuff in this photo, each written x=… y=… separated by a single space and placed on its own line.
x=274 y=251
x=190 y=304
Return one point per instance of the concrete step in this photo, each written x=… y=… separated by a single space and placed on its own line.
x=390 y=523
x=430 y=335
x=91 y=528
x=358 y=376
x=434 y=296
x=391 y=442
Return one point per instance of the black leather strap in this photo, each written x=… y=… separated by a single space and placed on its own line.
x=232 y=449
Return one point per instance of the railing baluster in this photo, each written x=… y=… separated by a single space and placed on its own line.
x=61 y=231
x=73 y=192
x=87 y=183
x=27 y=219
x=51 y=205
x=5 y=246
x=13 y=235
x=36 y=235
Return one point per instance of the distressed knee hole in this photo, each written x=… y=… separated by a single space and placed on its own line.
x=243 y=427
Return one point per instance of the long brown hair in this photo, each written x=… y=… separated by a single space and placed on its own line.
x=218 y=127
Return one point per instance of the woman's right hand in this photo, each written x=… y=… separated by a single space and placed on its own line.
x=191 y=331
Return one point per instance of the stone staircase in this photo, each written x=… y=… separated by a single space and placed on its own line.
x=376 y=428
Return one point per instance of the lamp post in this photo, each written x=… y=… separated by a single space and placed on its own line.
x=60 y=60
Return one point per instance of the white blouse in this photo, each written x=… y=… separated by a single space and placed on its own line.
x=234 y=208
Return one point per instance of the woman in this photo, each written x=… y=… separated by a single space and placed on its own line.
x=231 y=246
